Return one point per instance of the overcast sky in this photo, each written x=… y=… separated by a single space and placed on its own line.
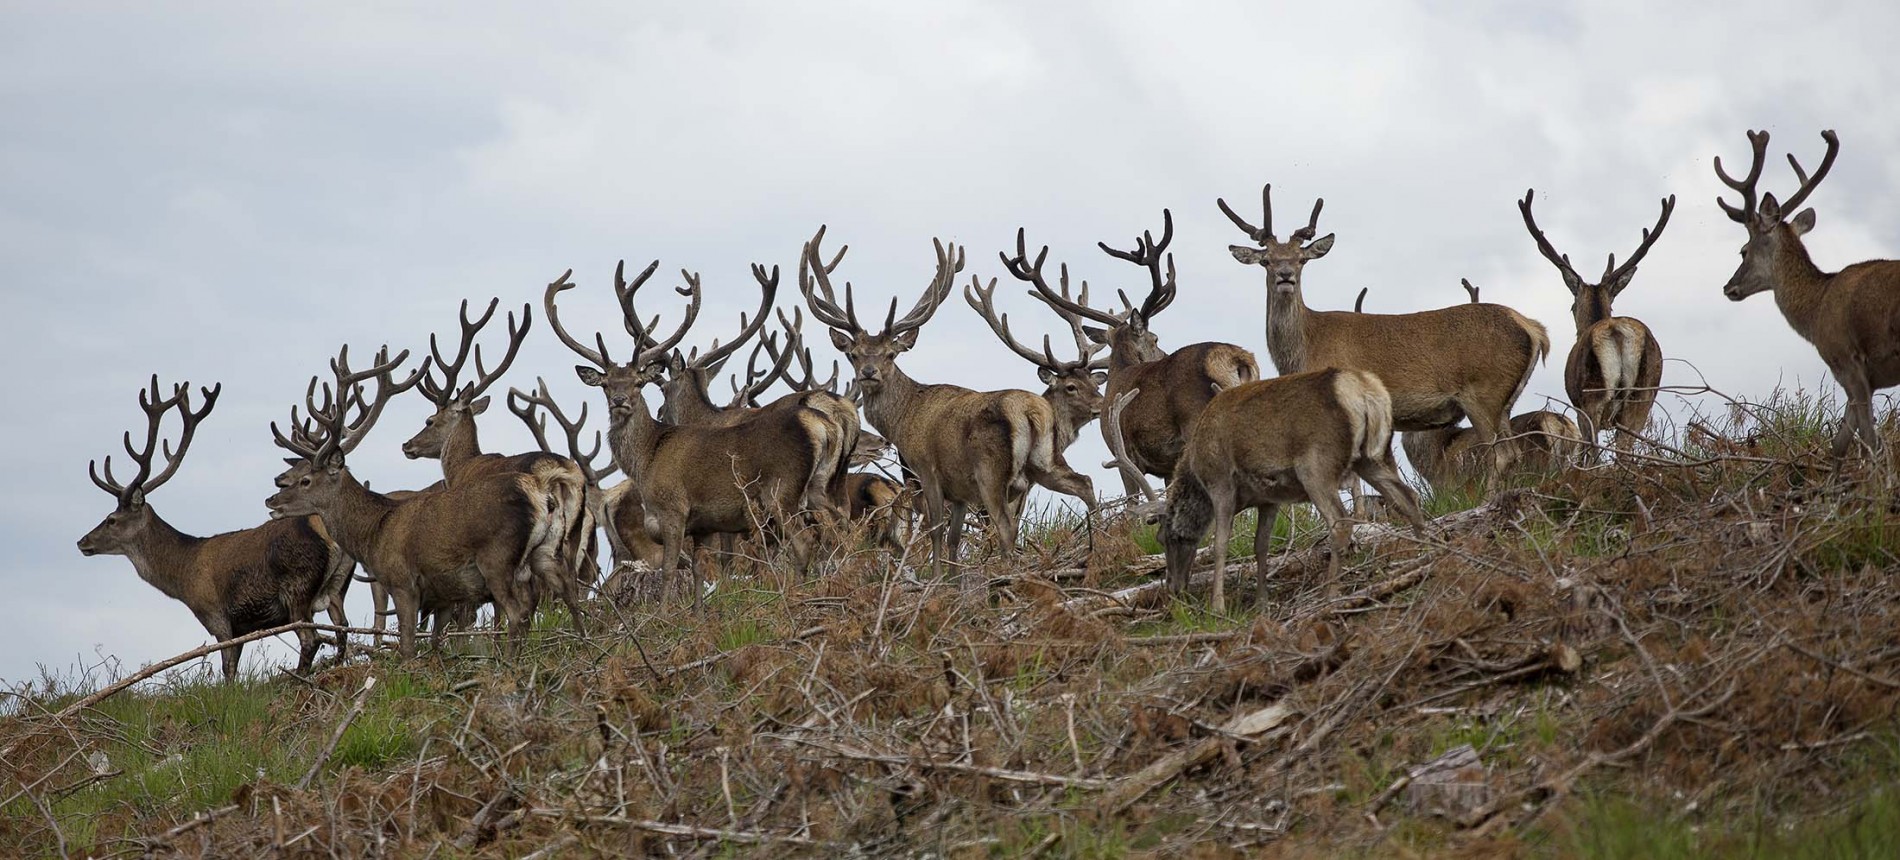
x=227 y=192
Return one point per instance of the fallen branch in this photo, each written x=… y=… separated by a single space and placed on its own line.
x=336 y=737
x=1131 y=788
x=1023 y=776
x=745 y=837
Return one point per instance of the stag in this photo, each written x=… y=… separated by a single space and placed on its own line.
x=965 y=447
x=1470 y=360
x=449 y=434
x=615 y=507
x=1851 y=316
x=1274 y=442
x=417 y=547
x=696 y=481
x=1174 y=386
x=1615 y=368
x=234 y=583
x=1074 y=387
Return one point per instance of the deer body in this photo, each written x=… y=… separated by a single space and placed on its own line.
x=1174 y=390
x=1540 y=441
x=1274 y=442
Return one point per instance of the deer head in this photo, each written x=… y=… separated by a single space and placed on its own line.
x=873 y=357
x=336 y=426
x=1590 y=302
x=1768 y=235
x=121 y=529
x=1074 y=387
x=689 y=375
x=622 y=382
x=455 y=409
x=1283 y=261
x=1127 y=334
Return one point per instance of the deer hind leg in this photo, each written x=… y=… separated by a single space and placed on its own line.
x=1000 y=502
x=1322 y=489
x=954 y=515
x=407 y=610
x=1267 y=513
x=1223 y=502
x=1384 y=477
x=558 y=577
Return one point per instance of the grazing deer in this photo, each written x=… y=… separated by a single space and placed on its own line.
x=417 y=547
x=1540 y=441
x=1280 y=441
x=234 y=583
x=1175 y=386
x=1851 y=316
x=1615 y=368
x=449 y=434
x=965 y=447
x=696 y=481
x=1074 y=387
x=1469 y=360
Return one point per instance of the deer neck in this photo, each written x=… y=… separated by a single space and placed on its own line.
x=355 y=517
x=635 y=433
x=1286 y=329
x=892 y=401
x=1800 y=286
x=459 y=448
x=1069 y=421
x=692 y=405
x=164 y=557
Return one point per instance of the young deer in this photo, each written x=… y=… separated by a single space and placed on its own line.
x=234 y=583
x=965 y=447
x=1468 y=360
x=1280 y=441
x=502 y=524
x=449 y=434
x=1615 y=367
x=1851 y=316
x=697 y=481
x=1174 y=386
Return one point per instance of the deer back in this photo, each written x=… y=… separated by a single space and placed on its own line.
x=1173 y=392
x=1422 y=357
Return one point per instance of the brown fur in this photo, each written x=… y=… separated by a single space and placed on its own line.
x=1280 y=441
x=1540 y=441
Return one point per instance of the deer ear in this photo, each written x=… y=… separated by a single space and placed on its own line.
x=1098 y=335
x=1770 y=207
x=1616 y=289
x=1803 y=222
x=588 y=375
x=478 y=405
x=1574 y=283
x=1245 y=254
x=1047 y=376
x=1100 y=377
x=840 y=340
x=714 y=368
x=676 y=363
x=905 y=339
x=1319 y=247
x=138 y=499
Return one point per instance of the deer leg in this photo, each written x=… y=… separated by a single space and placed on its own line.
x=406 y=618
x=1002 y=509
x=559 y=579
x=1384 y=477
x=1267 y=513
x=1321 y=489
x=379 y=595
x=1223 y=535
x=953 y=532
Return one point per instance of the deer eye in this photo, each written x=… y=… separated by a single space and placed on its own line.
x=305 y=481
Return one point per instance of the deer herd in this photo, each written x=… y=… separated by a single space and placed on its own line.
x=513 y=530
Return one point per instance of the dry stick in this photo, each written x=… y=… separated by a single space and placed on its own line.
x=1131 y=788
x=747 y=837
x=1858 y=673
x=336 y=737
x=1023 y=776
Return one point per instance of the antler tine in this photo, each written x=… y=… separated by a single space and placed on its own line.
x=1359 y=304
x=1311 y=229
x=1069 y=308
x=1807 y=184
x=1118 y=447
x=484 y=378
x=1571 y=279
x=950 y=259
x=347 y=433
x=1147 y=254
x=658 y=351
x=624 y=292
x=1612 y=272
x=983 y=301
x=768 y=293
x=1757 y=141
x=597 y=357
x=814 y=281
x=1259 y=234
x=190 y=419
x=1469 y=290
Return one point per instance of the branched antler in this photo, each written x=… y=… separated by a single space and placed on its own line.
x=155 y=408
x=442 y=392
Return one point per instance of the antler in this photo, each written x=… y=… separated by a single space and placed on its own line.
x=333 y=431
x=795 y=349
x=768 y=288
x=650 y=350
x=155 y=408
x=1264 y=233
x=1758 y=141
x=983 y=300
x=1469 y=290
x=1071 y=309
x=1561 y=261
x=1147 y=254
x=814 y=281
x=597 y=357
x=441 y=393
x=527 y=411
x=1359 y=304
x=1612 y=273
x=1807 y=184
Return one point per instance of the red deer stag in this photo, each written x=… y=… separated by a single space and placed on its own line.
x=965 y=447
x=1074 y=387
x=1280 y=441
x=1851 y=316
x=1438 y=366
x=1615 y=368
x=615 y=508
x=418 y=547
x=234 y=583
x=1173 y=386
x=449 y=434
x=697 y=481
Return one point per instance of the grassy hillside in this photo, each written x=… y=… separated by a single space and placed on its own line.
x=1692 y=653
